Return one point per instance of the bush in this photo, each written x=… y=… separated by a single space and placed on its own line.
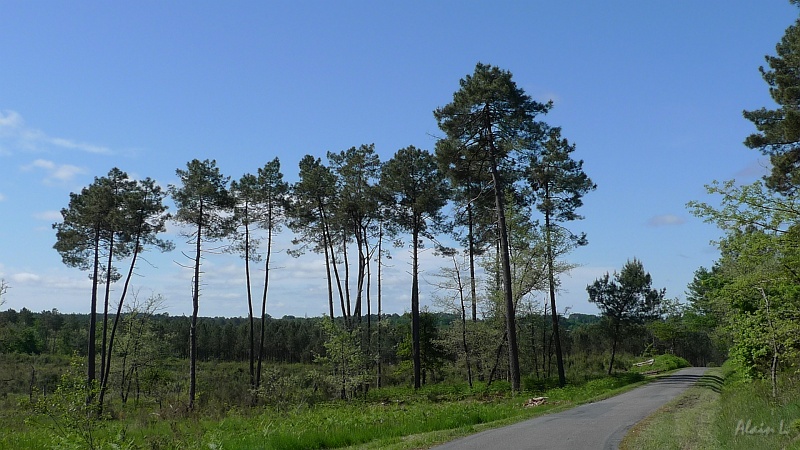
x=662 y=363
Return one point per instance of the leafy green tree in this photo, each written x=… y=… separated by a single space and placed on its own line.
x=74 y=422
x=558 y=183
x=778 y=134
x=700 y=290
x=626 y=299
x=760 y=300
x=755 y=281
x=205 y=206
x=93 y=225
x=432 y=352
x=117 y=237
x=419 y=193
x=489 y=122
x=139 y=352
x=343 y=357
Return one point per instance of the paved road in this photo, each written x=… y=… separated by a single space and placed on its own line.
x=600 y=425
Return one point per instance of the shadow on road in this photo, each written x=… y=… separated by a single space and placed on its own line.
x=712 y=382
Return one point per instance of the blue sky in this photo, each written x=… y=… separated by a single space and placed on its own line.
x=650 y=92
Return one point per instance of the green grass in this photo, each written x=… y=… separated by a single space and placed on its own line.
x=751 y=401
x=389 y=418
x=684 y=423
x=661 y=363
x=715 y=413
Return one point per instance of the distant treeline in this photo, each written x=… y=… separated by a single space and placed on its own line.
x=291 y=339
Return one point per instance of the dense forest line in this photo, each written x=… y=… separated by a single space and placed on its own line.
x=147 y=341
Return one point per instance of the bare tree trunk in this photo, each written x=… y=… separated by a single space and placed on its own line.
x=264 y=298
x=346 y=279
x=107 y=370
x=249 y=303
x=511 y=328
x=193 y=326
x=614 y=347
x=472 y=281
x=562 y=379
x=773 y=370
x=497 y=358
x=415 y=332
x=380 y=306
x=91 y=370
x=103 y=348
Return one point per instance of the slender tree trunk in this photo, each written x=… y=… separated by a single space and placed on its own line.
x=614 y=347
x=535 y=354
x=380 y=306
x=330 y=251
x=104 y=384
x=193 y=326
x=773 y=371
x=545 y=344
x=362 y=261
x=103 y=348
x=267 y=259
x=369 y=312
x=345 y=308
x=346 y=278
x=91 y=370
x=328 y=274
x=249 y=301
x=497 y=354
x=473 y=289
x=511 y=328
x=415 y=332
x=463 y=321
x=562 y=379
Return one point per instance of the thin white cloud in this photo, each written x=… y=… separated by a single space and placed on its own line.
x=17 y=134
x=2 y=197
x=25 y=277
x=56 y=172
x=10 y=119
x=49 y=216
x=664 y=220
x=70 y=144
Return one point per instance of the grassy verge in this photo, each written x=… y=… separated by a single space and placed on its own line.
x=396 y=419
x=686 y=422
x=559 y=399
x=722 y=412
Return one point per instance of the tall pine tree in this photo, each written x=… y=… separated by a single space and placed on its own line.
x=205 y=207
x=778 y=134
x=558 y=184
x=489 y=123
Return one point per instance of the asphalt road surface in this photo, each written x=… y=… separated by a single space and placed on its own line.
x=600 y=425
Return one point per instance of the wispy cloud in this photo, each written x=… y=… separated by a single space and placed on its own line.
x=55 y=172
x=49 y=216
x=2 y=197
x=14 y=133
x=25 y=277
x=665 y=220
